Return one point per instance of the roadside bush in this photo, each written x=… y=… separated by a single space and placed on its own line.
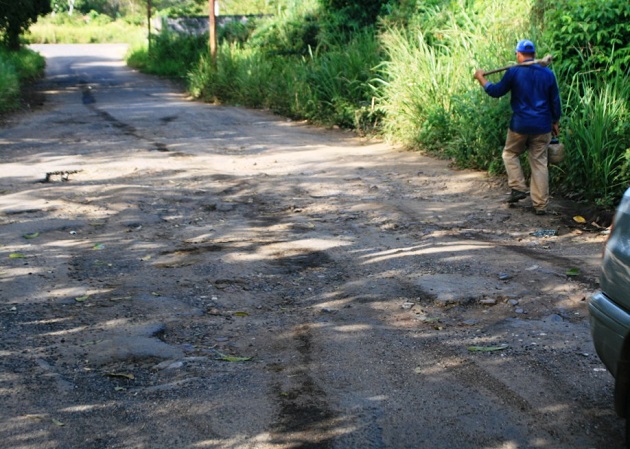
x=17 y=68
x=596 y=133
x=429 y=96
x=586 y=35
x=236 y=32
x=293 y=35
x=171 y=54
x=352 y=15
x=231 y=80
x=339 y=81
x=411 y=78
x=9 y=85
x=328 y=88
x=28 y=64
x=284 y=67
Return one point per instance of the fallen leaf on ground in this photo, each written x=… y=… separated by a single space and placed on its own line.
x=240 y=314
x=573 y=272
x=16 y=256
x=579 y=219
x=98 y=246
x=120 y=389
x=31 y=235
x=123 y=375
x=82 y=298
x=57 y=422
x=487 y=348
x=231 y=358
x=38 y=417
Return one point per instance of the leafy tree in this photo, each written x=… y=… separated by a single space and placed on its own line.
x=16 y=16
x=112 y=8
x=59 y=6
x=354 y=13
x=179 y=8
x=586 y=35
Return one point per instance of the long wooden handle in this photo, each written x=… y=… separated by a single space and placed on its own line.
x=490 y=72
x=543 y=62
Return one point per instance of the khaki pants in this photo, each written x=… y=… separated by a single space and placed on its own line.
x=536 y=145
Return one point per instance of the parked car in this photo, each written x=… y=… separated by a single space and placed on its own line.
x=610 y=310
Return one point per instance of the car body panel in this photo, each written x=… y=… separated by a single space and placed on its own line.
x=610 y=326
x=610 y=307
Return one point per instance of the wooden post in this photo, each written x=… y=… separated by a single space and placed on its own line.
x=213 y=32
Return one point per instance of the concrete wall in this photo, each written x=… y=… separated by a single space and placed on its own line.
x=194 y=25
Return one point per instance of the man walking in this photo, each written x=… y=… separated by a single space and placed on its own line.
x=536 y=112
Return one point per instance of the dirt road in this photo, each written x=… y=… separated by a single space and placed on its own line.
x=181 y=275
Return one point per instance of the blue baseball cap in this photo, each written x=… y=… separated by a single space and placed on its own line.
x=525 y=46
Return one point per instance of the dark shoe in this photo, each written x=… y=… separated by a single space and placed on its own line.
x=540 y=212
x=516 y=196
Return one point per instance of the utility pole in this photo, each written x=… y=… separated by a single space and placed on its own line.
x=213 y=32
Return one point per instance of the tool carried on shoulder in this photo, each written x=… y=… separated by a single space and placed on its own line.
x=543 y=62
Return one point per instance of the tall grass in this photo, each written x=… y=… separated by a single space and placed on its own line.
x=171 y=55
x=429 y=95
x=17 y=68
x=9 y=85
x=329 y=88
x=597 y=136
x=62 y=29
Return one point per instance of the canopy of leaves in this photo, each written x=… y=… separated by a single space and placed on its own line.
x=16 y=17
x=587 y=35
x=354 y=13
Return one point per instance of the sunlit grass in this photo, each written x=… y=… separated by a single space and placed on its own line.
x=597 y=136
x=9 y=85
x=83 y=31
x=17 y=68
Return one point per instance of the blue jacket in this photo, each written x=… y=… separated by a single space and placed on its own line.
x=535 y=98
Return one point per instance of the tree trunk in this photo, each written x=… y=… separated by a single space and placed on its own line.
x=213 y=33
x=13 y=38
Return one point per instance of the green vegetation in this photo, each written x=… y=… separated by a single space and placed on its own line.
x=408 y=77
x=86 y=29
x=585 y=33
x=597 y=132
x=171 y=55
x=401 y=69
x=16 y=17
x=16 y=68
x=308 y=87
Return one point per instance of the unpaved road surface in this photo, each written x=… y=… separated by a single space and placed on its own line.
x=197 y=276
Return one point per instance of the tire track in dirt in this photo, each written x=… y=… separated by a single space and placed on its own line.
x=558 y=428
x=304 y=415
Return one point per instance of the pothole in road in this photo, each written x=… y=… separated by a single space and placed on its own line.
x=302 y=260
